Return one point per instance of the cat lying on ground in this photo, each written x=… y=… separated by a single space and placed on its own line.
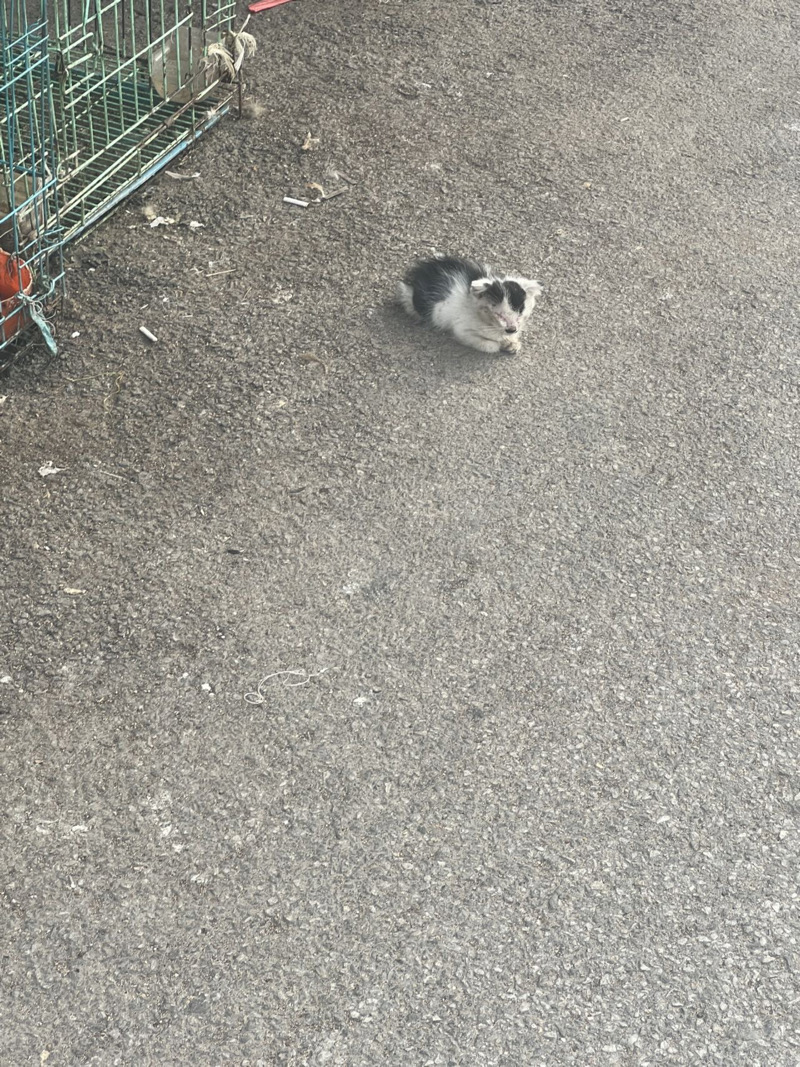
x=481 y=309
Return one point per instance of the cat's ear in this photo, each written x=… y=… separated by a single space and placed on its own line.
x=481 y=286
x=487 y=289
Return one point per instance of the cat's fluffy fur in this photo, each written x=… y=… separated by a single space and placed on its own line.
x=481 y=309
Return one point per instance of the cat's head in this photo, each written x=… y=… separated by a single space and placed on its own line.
x=505 y=303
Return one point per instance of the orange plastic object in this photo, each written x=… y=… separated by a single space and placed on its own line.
x=15 y=278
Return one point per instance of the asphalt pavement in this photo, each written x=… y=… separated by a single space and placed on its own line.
x=370 y=702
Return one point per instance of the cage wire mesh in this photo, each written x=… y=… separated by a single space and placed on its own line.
x=134 y=82
x=30 y=237
x=99 y=95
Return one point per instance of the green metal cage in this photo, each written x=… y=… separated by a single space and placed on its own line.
x=30 y=235
x=134 y=82
x=98 y=95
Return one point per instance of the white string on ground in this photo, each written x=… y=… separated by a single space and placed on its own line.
x=257 y=697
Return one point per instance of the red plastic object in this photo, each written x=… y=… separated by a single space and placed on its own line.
x=15 y=278
x=262 y=5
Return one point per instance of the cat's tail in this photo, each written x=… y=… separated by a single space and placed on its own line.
x=405 y=296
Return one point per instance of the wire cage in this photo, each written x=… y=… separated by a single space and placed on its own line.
x=98 y=95
x=134 y=82
x=30 y=236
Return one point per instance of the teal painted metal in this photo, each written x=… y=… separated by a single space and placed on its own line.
x=132 y=80
x=30 y=231
x=98 y=95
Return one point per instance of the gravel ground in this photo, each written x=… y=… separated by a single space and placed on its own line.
x=532 y=798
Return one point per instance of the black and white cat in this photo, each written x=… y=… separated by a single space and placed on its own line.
x=481 y=309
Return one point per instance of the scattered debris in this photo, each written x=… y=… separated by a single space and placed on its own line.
x=150 y=336
x=315 y=187
x=74 y=592
x=341 y=174
x=75 y=334
x=196 y=225
x=48 y=468
x=5 y=680
x=310 y=143
x=162 y=220
x=297 y=203
x=327 y=196
x=182 y=177
x=283 y=296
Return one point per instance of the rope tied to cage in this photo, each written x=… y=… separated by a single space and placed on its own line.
x=35 y=309
x=230 y=54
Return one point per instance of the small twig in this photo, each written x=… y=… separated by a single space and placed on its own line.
x=118 y=380
x=216 y=273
